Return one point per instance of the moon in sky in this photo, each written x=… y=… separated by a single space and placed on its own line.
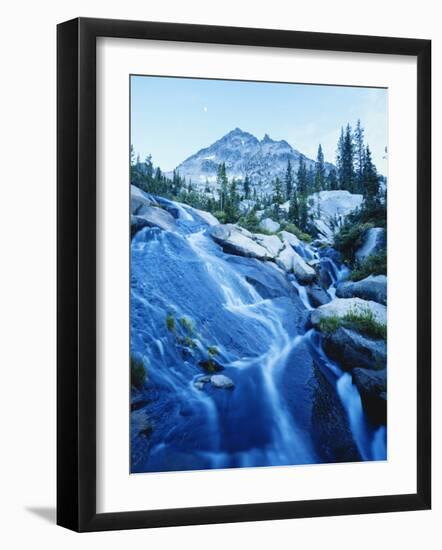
x=205 y=109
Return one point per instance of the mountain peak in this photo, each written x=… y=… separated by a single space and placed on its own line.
x=243 y=155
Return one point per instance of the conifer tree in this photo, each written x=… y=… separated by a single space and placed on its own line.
x=359 y=153
x=246 y=187
x=344 y=160
x=288 y=180
x=332 y=180
x=293 y=213
x=301 y=177
x=370 y=181
x=278 y=198
x=319 y=171
x=222 y=184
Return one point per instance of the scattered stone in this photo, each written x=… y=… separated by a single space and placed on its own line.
x=221 y=381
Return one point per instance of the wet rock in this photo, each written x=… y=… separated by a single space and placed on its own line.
x=140 y=424
x=323 y=269
x=374 y=242
x=352 y=350
x=236 y=240
x=200 y=382
x=332 y=253
x=372 y=386
x=206 y=216
x=221 y=381
x=290 y=239
x=139 y=198
x=152 y=216
x=136 y=224
x=269 y=225
x=339 y=307
x=289 y=260
x=271 y=242
x=373 y=288
x=210 y=365
x=317 y=295
x=316 y=408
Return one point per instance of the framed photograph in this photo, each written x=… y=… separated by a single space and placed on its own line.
x=243 y=265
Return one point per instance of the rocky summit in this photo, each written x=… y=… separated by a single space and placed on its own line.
x=244 y=155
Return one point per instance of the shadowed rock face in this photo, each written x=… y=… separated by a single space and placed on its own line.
x=334 y=207
x=373 y=288
x=372 y=386
x=351 y=350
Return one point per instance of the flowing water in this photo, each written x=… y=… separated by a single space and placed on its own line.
x=256 y=320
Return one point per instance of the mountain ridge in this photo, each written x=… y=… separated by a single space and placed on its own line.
x=243 y=155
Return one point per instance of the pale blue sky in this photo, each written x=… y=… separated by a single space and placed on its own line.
x=172 y=118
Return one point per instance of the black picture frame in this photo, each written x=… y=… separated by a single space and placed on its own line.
x=77 y=286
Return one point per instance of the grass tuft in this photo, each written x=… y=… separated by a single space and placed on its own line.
x=373 y=265
x=360 y=320
x=137 y=372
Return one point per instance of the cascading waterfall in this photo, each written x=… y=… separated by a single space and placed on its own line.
x=263 y=346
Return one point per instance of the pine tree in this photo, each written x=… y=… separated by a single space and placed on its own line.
x=301 y=177
x=344 y=160
x=332 y=180
x=319 y=171
x=370 y=181
x=303 y=213
x=222 y=184
x=278 y=198
x=359 y=153
x=246 y=187
x=339 y=159
x=288 y=180
x=310 y=180
x=293 y=213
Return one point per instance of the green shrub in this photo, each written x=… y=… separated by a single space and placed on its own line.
x=212 y=351
x=350 y=238
x=137 y=372
x=170 y=322
x=375 y=264
x=360 y=320
x=364 y=321
x=210 y=366
x=292 y=228
x=250 y=221
x=221 y=216
x=188 y=325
